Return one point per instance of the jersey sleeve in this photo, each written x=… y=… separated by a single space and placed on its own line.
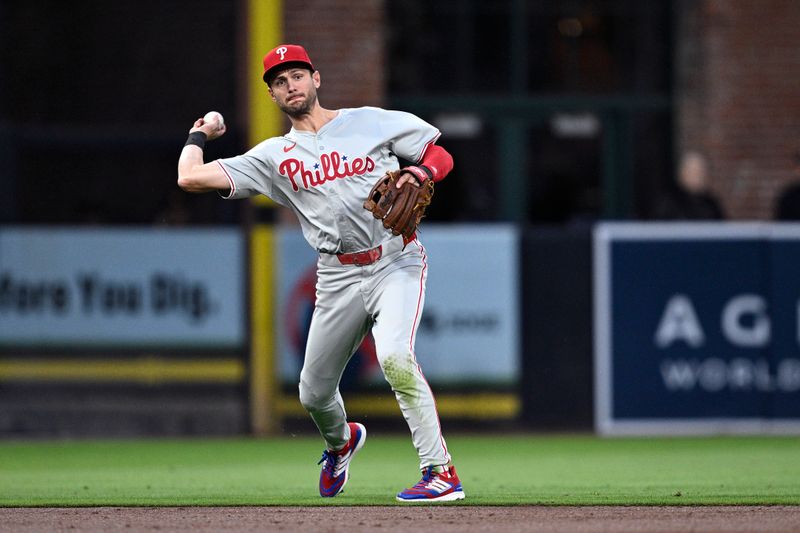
x=248 y=175
x=408 y=135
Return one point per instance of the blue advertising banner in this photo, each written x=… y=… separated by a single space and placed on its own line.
x=696 y=328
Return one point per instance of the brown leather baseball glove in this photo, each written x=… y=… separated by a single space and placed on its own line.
x=400 y=209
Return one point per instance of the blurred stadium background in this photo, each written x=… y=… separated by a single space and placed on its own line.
x=129 y=308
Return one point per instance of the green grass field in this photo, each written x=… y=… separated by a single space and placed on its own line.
x=502 y=470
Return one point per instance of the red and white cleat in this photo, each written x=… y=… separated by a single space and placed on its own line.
x=434 y=487
x=335 y=464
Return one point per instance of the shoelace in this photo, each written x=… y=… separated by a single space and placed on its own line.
x=334 y=465
x=330 y=461
x=427 y=475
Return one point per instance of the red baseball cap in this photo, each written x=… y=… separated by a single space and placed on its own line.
x=283 y=54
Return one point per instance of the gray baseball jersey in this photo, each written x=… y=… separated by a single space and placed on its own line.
x=324 y=178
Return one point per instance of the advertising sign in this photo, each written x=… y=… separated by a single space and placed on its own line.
x=121 y=288
x=469 y=328
x=696 y=328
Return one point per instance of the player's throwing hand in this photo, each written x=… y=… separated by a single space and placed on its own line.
x=212 y=124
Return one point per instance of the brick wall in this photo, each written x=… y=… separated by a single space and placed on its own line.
x=738 y=96
x=344 y=39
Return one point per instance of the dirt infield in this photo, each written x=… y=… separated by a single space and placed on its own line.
x=441 y=518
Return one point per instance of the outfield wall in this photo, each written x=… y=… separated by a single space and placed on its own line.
x=123 y=331
x=170 y=331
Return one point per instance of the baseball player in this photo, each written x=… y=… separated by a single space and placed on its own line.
x=324 y=168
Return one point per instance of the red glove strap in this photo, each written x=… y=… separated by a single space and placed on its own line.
x=419 y=173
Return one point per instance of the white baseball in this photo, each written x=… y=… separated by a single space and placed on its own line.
x=214 y=116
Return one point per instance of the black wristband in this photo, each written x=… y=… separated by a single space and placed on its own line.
x=197 y=138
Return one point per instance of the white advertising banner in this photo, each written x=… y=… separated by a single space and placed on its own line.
x=469 y=333
x=123 y=288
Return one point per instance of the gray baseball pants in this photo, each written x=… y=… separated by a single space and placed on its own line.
x=387 y=297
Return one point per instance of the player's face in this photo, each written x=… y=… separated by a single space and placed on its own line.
x=295 y=91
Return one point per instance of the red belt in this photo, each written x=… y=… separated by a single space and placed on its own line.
x=369 y=256
x=361 y=258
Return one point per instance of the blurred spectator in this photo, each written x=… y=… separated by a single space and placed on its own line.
x=787 y=206
x=692 y=200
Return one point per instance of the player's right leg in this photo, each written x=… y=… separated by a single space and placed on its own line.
x=338 y=326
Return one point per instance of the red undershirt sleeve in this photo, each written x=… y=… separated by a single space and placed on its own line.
x=438 y=160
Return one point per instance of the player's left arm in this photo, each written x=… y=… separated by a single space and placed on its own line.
x=413 y=139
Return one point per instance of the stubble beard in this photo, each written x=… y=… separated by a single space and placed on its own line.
x=305 y=109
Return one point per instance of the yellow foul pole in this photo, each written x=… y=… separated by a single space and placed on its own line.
x=264 y=23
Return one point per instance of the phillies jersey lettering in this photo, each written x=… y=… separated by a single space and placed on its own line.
x=333 y=166
x=324 y=177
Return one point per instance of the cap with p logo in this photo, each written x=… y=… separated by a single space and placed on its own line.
x=283 y=54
